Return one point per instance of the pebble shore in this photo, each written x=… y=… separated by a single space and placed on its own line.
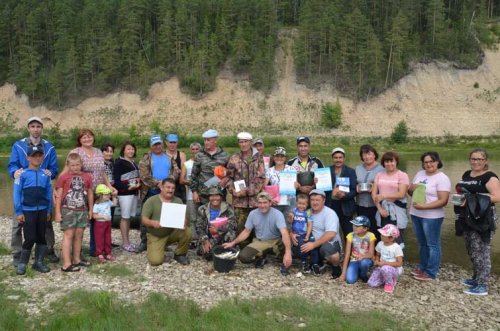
x=436 y=305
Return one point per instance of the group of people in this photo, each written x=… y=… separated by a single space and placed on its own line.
x=233 y=200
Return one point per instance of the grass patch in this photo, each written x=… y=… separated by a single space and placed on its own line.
x=4 y=250
x=113 y=270
x=84 y=310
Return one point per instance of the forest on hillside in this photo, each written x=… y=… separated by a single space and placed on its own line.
x=61 y=51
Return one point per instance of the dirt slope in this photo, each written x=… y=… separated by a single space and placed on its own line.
x=434 y=100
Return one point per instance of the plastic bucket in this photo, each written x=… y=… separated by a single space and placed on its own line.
x=223 y=265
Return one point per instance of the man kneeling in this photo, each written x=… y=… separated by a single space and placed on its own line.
x=271 y=235
x=159 y=237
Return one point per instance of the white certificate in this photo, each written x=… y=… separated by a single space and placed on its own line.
x=287 y=182
x=239 y=185
x=173 y=215
x=324 y=179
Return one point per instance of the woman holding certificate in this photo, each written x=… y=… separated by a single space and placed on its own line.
x=430 y=190
x=283 y=201
x=341 y=198
x=216 y=223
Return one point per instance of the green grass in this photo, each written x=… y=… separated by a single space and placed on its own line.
x=84 y=310
x=4 y=250
x=113 y=271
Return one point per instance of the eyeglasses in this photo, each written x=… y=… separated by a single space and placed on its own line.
x=476 y=160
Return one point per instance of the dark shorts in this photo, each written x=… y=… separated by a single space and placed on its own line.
x=72 y=219
x=329 y=248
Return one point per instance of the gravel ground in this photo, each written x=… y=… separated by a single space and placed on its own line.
x=437 y=305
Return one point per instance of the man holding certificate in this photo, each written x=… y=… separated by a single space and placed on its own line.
x=245 y=179
x=164 y=215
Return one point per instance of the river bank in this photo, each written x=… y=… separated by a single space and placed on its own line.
x=437 y=305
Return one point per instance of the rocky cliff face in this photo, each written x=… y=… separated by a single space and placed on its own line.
x=434 y=100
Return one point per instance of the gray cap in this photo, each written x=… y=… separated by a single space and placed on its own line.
x=338 y=150
x=35 y=119
x=317 y=192
x=210 y=134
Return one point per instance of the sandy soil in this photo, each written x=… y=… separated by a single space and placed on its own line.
x=435 y=100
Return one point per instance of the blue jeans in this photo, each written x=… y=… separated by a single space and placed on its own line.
x=357 y=269
x=314 y=254
x=428 y=233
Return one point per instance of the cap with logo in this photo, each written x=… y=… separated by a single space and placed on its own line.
x=155 y=139
x=32 y=150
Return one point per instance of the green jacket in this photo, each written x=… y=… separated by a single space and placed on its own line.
x=227 y=233
x=146 y=174
x=203 y=170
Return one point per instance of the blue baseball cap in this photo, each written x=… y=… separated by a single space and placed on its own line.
x=361 y=221
x=172 y=138
x=210 y=134
x=155 y=139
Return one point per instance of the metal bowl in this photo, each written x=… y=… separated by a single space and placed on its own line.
x=365 y=187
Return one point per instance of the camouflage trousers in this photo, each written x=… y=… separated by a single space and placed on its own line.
x=480 y=256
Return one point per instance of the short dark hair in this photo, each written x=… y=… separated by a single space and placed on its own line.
x=168 y=180
x=434 y=157
x=366 y=149
x=302 y=196
x=125 y=144
x=388 y=156
x=106 y=146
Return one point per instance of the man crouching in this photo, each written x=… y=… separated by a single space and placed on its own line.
x=159 y=237
x=271 y=235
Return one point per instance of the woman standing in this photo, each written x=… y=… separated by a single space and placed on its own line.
x=273 y=178
x=427 y=214
x=365 y=175
x=479 y=181
x=127 y=182
x=341 y=199
x=107 y=153
x=389 y=194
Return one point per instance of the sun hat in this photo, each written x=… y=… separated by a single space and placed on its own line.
x=389 y=230
x=155 y=139
x=102 y=189
x=338 y=150
x=361 y=221
x=211 y=133
x=244 y=136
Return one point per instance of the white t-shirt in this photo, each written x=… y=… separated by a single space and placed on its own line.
x=389 y=253
x=438 y=182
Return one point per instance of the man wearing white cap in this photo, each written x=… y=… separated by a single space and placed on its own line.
x=17 y=162
x=245 y=179
x=202 y=174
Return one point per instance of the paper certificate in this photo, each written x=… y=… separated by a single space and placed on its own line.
x=324 y=179
x=343 y=183
x=239 y=185
x=173 y=215
x=287 y=182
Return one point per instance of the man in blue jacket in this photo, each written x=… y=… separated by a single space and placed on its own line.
x=17 y=163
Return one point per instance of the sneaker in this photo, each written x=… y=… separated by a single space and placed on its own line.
x=182 y=259
x=316 y=270
x=469 y=282
x=260 y=262
x=284 y=270
x=336 y=272
x=423 y=277
x=479 y=289
x=416 y=272
x=305 y=268
x=388 y=288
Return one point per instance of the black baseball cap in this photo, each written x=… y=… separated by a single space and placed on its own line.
x=303 y=138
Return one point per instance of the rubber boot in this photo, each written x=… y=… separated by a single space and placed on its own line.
x=23 y=262
x=15 y=259
x=40 y=252
x=51 y=256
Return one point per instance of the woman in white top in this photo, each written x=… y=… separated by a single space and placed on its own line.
x=273 y=178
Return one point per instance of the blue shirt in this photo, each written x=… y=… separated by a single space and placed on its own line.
x=160 y=168
x=300 y=220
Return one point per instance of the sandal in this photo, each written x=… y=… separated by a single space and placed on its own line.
x=71 y=268
x=101 y=258
x=82 y=264
x=129 y=248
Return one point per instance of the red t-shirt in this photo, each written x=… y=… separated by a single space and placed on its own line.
x=75 y=188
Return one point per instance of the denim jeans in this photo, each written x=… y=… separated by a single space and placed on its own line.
x=357 y=269
x=428 y=233
x=314 y=254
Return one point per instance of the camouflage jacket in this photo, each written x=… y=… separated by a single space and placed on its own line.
x=203 y=170
x=252 y=171
x=226 y=233
x=146 y=174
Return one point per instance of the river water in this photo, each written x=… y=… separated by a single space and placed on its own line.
x=455 y=163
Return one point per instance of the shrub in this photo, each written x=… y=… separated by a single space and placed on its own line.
x=331 y=115
x=400 y=133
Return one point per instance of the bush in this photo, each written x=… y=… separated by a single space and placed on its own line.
x=400 y=133
x=331 y=115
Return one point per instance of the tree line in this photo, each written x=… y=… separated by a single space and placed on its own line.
x=60 y=50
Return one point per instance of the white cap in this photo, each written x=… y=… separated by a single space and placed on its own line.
x=338 y=150
x=210 y=134
x=244 y=136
